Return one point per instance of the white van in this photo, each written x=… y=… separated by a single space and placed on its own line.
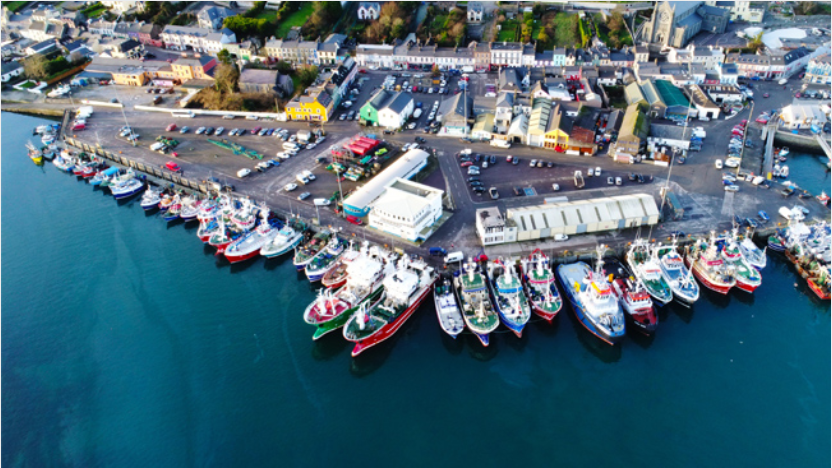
x=321 y=202
x=417 y=113
x=500 y=144
x=243 y=173
x=300 y=178
x=290 y=146
x=718 y=164
x=252 y=117
x=454 y=257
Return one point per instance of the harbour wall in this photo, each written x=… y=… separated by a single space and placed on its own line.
x=799 y=142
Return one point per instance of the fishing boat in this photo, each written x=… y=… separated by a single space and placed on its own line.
x=326 y=260
x=208 y=210
x=310 y=249
x=755 y=256
x=776 y=241
x=166 y=201
x=633 y=297
x=645 y=266
x=151 y=199
x=245 y=217
x=118 y=178
x=48 y=138
x=747 y=277
x=49 y=151
x=64 y=162
x=404 y=291
x=539 y=285
x=248 y=246
x=472 y=297
x=819 y=283
x=592 y=300
x=337 y=275
x=508 y=297
x=190 y=209
x=447 y=311
x=784 y=151
x=127 y=189
x=102 y=175
x=286 y=239
x=331 y=310
x=823 y=198
x=34 y=153
x=223 y=237
x=207 y=229
x=677 y=275
x=704 y=260
x=172 y=213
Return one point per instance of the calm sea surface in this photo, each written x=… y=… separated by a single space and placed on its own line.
x=126 y=343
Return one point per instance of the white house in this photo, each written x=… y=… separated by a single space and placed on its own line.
x=374 y=55
x=509 y=54
x=184 y=37
x=407 y=209
x=492 y=228
x=369 y=11
x=475 y=12
x=396 y=111
x=211 y=17
x=796 y=116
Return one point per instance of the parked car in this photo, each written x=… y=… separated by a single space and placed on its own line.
x=493 y=193
x=303 y=196
x=184 y=130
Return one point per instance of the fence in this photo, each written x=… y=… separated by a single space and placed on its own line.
x=141 y=167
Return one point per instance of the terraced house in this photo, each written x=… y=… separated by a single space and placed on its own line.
x=296 y=52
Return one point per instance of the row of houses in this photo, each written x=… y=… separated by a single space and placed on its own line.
x=132 y=72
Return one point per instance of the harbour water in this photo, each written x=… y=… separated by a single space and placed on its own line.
x=126 y=343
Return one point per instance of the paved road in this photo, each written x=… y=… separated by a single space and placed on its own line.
x=697 y=183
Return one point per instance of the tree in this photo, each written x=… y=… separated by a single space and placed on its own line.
x=284 y=67
x=224 y=56
x=754 y=45
x=307 y=75
x=616 y=22
x=399 y=30
x=537 y=9
x=806 y=8
x=542 y=40
x=36 y=67
x=226 y=78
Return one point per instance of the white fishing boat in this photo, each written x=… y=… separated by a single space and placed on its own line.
x=447 y=310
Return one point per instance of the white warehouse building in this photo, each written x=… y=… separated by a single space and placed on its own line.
x=575 y=217
x=407 y=209
x=405 y=167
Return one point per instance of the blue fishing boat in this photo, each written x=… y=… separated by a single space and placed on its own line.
x=508 y=296
x=593 y=302
x=764 y=216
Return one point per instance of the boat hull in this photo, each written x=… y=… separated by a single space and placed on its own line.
x=720 y=288
x=817 y=290
x=241 y=257
x=390 y=328
x=286 y=249
x=129 y=193
x=341 y=319
x=580 y=313
x=746 y=286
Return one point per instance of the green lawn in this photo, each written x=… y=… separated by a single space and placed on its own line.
x=297 y=18
x=14 y=6
x=267 y=15
x=95 y=11
x=508 y=31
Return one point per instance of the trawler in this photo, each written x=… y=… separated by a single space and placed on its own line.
x=508 y=296
x=472 y=296
x=539 y=285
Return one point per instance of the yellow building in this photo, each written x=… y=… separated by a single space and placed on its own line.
x=315 y=106
x=557 y=131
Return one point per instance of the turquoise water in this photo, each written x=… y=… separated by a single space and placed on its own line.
x=126 y=343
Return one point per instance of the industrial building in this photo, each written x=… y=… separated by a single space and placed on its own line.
x=407 y=209
x=575 y=217
x=410 y=163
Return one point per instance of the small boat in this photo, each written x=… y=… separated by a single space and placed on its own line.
x=190 y=209
x=35 y=154
x=646 y=267
x=823 y=198
x=172 y=213
x=784 y=151
x=48 y=139
x=776 y=242
x=333 y=308
x=633 y=298
x=755 y=256
x=539 y=285
x=508 y=297
x=337 y=275
x=207 y=229
x=249 y=245
x=819 y=283
x=403 y=293
x=127 y=189
x=447 y=311
x=747 y=277
x=593 y=302
x=246 y=216
x=311 y=249
x=710 y=269
x=223 y=237
x=326 y=260
x=64 y=163
x=286 y=239
x=472 y=297
x=764 y=216
x=677 y=275
x=100 y=176
x=151 y=199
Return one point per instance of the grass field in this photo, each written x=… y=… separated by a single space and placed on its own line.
x=268 y=15
x=508 y=31
x=295 y=19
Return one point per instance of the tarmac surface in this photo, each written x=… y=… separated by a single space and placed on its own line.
x=697 y=184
